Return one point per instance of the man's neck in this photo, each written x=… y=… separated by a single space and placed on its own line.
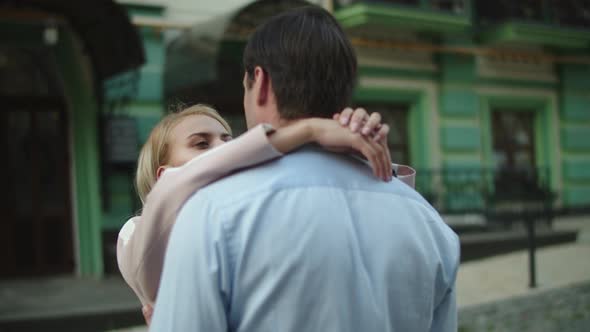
x=284 y=122
x=279 y=123
x=272 y=116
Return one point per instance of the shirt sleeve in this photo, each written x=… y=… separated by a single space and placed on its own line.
x=406 y=174
x=144 y=251
x=445 y=314
x=194 y=291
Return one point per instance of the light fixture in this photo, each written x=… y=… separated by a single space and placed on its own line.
x=50 y=33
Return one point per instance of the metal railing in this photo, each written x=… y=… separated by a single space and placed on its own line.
x=485 y=190
x=502 y=196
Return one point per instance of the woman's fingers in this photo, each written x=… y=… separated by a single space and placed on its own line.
x=359 y=117
x=386 y=163
x=389 y=169
x=381 y=139
x=345 y=116
x=381 y=134
x=382 y=156
x=385 y=160
x=376 y=154
x=337 y=138
x=371 y=154
x=372 y=123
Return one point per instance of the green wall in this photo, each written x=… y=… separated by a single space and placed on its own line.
x=461 y=133
x=146 y=108
x=575 y=133
x=462 y=137
x=74 y=69
x=465 y=100
x=78 y=89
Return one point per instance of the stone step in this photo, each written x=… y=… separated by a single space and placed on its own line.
x=481 y=244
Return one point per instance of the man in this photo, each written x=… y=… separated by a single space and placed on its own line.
x=310 y=242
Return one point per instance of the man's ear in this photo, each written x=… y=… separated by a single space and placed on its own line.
x=262 y=84
x=160 y=171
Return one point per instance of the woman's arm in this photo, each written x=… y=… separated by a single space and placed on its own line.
x=142 y=242
x=140 y=252
x=369 y=141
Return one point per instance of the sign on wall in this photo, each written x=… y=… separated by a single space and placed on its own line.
x=121 y=140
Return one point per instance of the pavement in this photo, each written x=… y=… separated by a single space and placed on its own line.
x=63 y=303
x=497 y=279
x=505 y=276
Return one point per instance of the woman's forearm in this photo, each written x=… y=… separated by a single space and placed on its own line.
x=141 y=256
x=289 y=138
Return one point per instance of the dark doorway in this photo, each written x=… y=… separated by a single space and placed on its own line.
x=514 y=150
x=36 y=228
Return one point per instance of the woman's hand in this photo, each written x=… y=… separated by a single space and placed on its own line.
x=358 y=120
x=147 y=311
x=348 y=134
x=354 y=131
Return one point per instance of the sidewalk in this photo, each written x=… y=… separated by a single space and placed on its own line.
x=77 y=304
x=505 y=277
x=67 y=304
x=501 y=277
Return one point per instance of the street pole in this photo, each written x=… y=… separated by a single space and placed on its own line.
x=530 y=226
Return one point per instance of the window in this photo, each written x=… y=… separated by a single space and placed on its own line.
x=502 y=10
x=454 y=6
x=514 y=150
x=513 y=139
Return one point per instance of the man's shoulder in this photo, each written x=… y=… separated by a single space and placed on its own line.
x=310 y=166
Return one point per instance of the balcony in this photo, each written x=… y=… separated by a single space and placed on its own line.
x=436 y=17
x=552 y=23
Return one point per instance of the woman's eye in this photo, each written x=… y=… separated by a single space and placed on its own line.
x=202 y=145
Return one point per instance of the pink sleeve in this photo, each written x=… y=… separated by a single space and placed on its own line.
x=406 y=174
x=125 y=256
x=141 y=256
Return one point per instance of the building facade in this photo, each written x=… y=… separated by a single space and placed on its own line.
x=54 y=58
x=487 y=101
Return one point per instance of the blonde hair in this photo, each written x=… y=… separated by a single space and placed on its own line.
x=155 y=152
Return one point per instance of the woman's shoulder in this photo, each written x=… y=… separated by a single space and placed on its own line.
x=128 y=229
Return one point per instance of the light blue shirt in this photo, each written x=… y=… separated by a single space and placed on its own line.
x=309 y=242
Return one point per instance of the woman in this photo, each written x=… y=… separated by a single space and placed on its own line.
x=172 y=166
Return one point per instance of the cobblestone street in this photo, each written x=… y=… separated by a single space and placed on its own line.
x=564 y=309
x=493 y=293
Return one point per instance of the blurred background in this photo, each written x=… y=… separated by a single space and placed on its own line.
x=488 y=100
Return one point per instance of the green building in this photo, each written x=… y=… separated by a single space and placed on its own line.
x=489 y=100
x=55 y=59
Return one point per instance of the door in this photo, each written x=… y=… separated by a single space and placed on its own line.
x=36 y=231
x=514 y=150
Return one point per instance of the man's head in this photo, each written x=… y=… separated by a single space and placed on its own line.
x=298 y=64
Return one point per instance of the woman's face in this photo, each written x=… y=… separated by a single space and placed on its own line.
x=193 y=135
